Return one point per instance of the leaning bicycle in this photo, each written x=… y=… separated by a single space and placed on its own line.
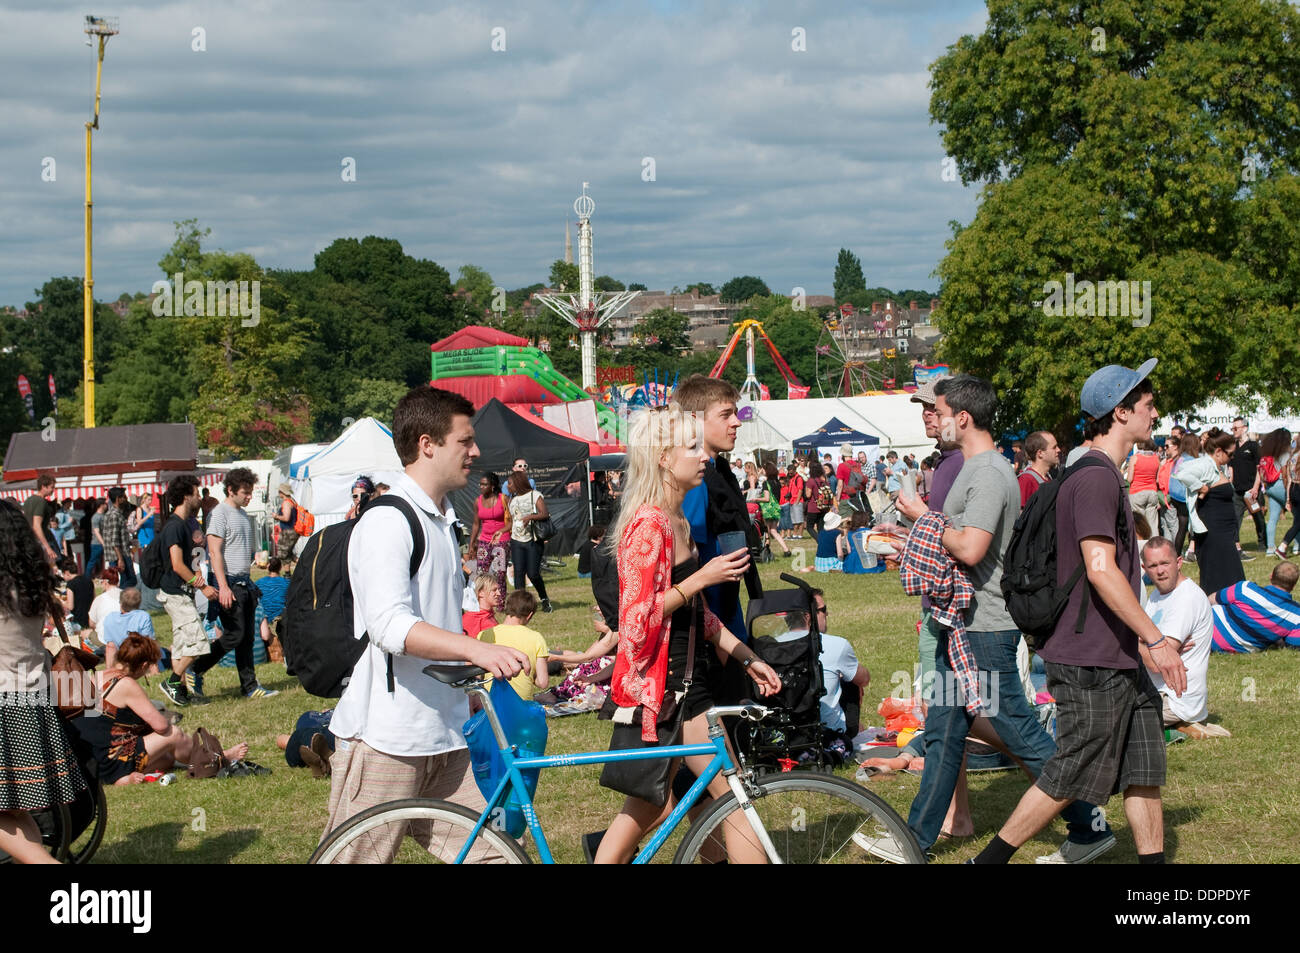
x=793 y=818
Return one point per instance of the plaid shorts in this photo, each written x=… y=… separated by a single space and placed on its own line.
x=1109 y=734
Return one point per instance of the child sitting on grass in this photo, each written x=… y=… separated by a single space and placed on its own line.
x=832 y=544
x=273 y=588
x=514 y=632
x=487 y=594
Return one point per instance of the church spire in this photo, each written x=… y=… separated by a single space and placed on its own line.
x=568 y=245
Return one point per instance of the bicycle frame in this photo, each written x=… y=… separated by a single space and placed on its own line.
x=514 y=780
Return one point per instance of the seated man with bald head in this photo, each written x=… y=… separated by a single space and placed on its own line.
x=1249 y=617
x=1181 y=612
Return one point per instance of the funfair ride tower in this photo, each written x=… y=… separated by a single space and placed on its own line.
x=588 y=310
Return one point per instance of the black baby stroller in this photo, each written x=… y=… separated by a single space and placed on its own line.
x=783 y=632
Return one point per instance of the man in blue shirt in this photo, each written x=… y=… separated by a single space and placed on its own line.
x=717 y=506
x=118 y=625
x=840 y=667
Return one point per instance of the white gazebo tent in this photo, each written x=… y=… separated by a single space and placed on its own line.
x=893 y=418
x=323 y=482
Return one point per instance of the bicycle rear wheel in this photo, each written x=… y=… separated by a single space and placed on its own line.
x=415 y=831
x=88 y=818
x=810 y=819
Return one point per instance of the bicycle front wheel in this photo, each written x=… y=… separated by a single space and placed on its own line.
x=810 y=819
x=415 y=831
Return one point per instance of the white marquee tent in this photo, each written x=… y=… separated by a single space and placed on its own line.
x=323 y=482
x=776 y=424
x=1219 y=413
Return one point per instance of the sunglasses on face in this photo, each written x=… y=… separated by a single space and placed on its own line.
x=356 y=496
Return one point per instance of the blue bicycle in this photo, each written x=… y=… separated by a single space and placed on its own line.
x=797 y=817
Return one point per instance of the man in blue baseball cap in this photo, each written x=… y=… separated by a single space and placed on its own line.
x=1110 y=735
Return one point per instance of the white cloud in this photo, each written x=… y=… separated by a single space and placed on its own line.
x=767 y=160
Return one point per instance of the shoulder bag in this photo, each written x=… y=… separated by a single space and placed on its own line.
x=649 y=780
x=543 y=529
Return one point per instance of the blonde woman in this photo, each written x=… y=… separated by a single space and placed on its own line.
x=660 y=603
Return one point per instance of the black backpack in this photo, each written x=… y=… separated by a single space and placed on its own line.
x=154 y=563
x=315 y=629
x=1034 y=598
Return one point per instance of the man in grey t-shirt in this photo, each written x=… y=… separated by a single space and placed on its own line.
x=983 y=503
x=231 y=537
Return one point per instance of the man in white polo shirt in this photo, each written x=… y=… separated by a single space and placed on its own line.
x=1181 y=611
x=408 y=742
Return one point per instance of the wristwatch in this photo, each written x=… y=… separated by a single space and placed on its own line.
x=748 y=662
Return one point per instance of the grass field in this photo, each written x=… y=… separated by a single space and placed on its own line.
x=1231 y=800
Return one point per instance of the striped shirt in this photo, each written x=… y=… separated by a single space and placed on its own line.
x=1249 y=617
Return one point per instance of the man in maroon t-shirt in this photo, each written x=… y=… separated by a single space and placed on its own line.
x=1043 y=453
x=1110 y=734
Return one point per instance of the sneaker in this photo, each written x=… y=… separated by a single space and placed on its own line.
x=880 y=845
x=175 y=692
x=546 y=605
x=1245 y=556
x=194 y=684
x=1071 y=853
x=1190 y=557
x=260 y=692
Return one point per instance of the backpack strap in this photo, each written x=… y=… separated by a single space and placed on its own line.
x=417 y=551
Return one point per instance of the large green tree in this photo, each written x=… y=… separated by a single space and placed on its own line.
x=1118 y=141
x=742 y=288
x=239 y=377
x=49 y=341
x=564 y=276
x=848 y=275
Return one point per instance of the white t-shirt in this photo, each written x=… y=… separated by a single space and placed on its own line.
x=1183 y=614
x=106 y=603
x=521 y=506
x=422 y=716
x=839 y=663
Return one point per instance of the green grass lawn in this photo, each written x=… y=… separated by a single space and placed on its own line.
x=1228 y=800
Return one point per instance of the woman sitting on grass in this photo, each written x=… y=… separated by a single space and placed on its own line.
x=131 y=736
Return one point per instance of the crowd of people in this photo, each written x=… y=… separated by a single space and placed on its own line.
x=1122 y=666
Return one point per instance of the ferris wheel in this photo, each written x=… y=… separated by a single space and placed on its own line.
x=842 y=369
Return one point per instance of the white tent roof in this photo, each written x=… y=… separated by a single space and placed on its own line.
x=324 y=481
x=894 y=418
x=1219 y=413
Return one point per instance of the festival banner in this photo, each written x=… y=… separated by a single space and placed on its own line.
x=25 y=389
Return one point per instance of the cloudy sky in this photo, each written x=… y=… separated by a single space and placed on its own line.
x=766 y=159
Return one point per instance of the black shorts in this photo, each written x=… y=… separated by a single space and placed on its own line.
x=1109 y=733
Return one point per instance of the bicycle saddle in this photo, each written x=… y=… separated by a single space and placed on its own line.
x=450 y=673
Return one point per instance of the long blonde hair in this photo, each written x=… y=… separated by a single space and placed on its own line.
x=651 y=434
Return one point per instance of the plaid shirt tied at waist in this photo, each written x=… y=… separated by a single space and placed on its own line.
x=927 y=568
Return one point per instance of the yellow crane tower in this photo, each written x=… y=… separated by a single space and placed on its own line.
x=102 y=27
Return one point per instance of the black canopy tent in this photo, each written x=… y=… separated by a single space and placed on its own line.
x=556 y=464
